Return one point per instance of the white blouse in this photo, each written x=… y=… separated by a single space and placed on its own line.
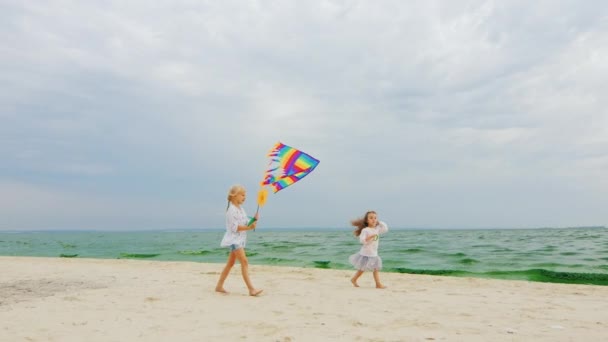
x=235 y=217
x=370 y=248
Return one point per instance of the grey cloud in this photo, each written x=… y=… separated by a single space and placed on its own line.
x=411 y=107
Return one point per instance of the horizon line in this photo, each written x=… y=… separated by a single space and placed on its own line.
x=288 y=228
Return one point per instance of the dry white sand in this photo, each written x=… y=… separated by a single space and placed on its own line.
x=55 y=299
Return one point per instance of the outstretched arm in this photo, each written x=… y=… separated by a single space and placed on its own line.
x=382 y=227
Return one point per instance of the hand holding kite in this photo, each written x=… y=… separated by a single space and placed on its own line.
x=262 y=196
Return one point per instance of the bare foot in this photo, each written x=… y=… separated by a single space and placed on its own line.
x=380 y=286
x=220 y=289
x=354 y=283
x=255 y=292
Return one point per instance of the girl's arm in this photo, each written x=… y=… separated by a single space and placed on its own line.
x=232 y=222
x=251 y=226
x=245 y=228
x=382 y=227
x=366 y=237
x=363 y=237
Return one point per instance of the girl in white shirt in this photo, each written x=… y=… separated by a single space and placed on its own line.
x=368 y=230
x=235 y=238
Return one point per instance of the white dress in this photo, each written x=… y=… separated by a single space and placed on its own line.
x=367 y=259
x=235 y=217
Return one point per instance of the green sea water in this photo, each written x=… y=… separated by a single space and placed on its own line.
x=573 y=255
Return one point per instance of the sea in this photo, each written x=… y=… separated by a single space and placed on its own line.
x=556 y=255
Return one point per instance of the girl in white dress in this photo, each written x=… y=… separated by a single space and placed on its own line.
x=367 y=259
x=235 y=238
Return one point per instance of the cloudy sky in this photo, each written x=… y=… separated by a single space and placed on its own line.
x=130 y=115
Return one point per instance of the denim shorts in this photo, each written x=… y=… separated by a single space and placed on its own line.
x=234 y=247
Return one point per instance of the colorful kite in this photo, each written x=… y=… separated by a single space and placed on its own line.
x=288 y=166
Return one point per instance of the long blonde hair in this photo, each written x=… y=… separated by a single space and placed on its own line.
x=234 y=190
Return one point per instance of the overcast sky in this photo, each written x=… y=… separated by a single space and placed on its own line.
x=130 y=115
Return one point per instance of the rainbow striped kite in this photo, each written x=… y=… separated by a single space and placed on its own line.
x=288 y=166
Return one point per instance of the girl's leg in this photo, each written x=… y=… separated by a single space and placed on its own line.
x=229 y=263
x=377 y=280
x=242 y=258
x=356 y=277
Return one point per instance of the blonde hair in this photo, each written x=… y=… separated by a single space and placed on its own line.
x=234 y=190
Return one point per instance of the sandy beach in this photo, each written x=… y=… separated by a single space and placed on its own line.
x=57 y=299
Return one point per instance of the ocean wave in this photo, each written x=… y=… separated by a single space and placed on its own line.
x=410 y=250
x=501 y=250
x=539 y=275
x=567 y=277
x=287 y=244
x=201 y=252
x=322 y=263
x=547 y=264
x=427 y=272
x=468 y=261
x=277 y=261
x=280 y=247
x=137 y=255
x=67 y=255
